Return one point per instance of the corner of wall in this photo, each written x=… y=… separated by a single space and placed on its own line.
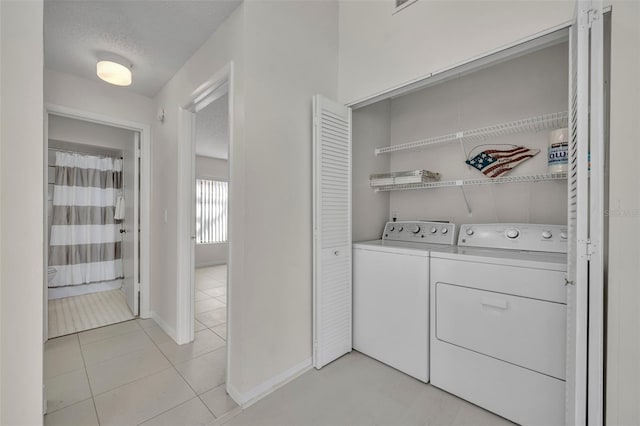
x=1 y=144
x=250 y=397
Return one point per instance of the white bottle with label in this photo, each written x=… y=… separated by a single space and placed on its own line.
x=558 y=156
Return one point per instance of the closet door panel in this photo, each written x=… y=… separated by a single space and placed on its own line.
x=332 y=335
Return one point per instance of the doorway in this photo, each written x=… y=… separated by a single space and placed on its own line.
x=95 y=250
x=211 y=251
x=205 y=211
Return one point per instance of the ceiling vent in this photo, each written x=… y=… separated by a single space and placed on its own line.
x=402 y=4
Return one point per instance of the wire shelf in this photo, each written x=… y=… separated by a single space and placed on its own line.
x=533 y=124
x=469 y=182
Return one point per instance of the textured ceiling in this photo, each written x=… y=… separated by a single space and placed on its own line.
x=212 y=129
x=157 y=37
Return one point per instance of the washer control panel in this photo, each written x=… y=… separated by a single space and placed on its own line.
x=421 y=232
x=515 y=236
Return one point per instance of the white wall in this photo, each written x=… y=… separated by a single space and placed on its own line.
x=87 y=133
x=623 y=340
x=212 y=129
x=224 y=46
x=379 y=50
x=371 y=129
x=283 y=53
x=22 y=230
x=291 y=55
x=217 y=253
x=97 y=96
x=527 y=86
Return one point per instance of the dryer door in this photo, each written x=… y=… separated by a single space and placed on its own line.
x=526 y=332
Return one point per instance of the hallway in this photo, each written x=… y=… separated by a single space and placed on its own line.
x=133 y=373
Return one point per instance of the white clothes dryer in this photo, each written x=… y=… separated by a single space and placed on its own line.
x=498 y=320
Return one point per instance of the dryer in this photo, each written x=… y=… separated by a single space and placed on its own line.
x=391 y=293
x=498 y=320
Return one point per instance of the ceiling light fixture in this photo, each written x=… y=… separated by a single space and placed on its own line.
x=114 y=73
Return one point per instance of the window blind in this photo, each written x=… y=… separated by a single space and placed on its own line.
x=211 y=211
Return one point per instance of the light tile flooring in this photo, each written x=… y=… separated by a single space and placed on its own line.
x=211 y=299
x=132 y=373
x=78 y=313
x=356 y=390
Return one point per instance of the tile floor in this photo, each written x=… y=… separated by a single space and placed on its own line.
x=356 y=390
x=211 y=299
x=132 y=373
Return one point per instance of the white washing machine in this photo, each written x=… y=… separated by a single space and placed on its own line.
x=391 y=294
x=498 y=320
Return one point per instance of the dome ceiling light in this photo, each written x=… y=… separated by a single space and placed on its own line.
x=114 y=73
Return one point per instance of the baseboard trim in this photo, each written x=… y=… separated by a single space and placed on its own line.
x=252 y=396
x=164 y=326
x=234 y=394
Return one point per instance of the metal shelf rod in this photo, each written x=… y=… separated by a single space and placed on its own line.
x=533 y=124
x=470 y=182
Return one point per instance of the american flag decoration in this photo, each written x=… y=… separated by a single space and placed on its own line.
x=496 y=162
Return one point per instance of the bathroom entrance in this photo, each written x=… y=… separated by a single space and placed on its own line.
x=93 y=223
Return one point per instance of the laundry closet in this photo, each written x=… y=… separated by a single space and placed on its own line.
x=527 y=87
x=388 y=171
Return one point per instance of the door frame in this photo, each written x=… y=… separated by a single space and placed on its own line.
x=219 y=84
x=144 y=196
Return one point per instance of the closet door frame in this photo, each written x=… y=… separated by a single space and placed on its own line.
x=589 y=405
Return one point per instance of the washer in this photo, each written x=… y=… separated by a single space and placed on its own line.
x=498 y=320
x=391 y=294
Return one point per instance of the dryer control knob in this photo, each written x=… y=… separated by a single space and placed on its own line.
x=400 y=229
x=434 y=230
x=563 y=235
x=444 y=230
x=392 y=228
x=546 y=234
x=415 y=229
x=470 y=232
x=512 y=233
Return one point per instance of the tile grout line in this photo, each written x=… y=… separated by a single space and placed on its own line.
x=84 y=363
x=182 y=377
x=108 y=337
x=134 y=380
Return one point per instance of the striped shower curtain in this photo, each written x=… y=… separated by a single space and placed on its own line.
x=85 y=244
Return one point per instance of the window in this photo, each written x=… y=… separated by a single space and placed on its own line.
x=211 y=211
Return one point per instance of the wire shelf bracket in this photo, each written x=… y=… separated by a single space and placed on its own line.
x=470 y=182
x=533 y=124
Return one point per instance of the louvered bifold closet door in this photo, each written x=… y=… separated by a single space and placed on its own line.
x=585 y=187
x=332 y=231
